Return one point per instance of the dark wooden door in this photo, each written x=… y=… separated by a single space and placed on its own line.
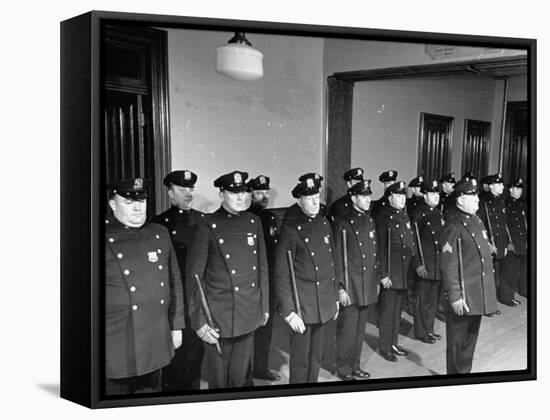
x=516 y=142
x=435 y=145
x=475 y=148
x=136 y=109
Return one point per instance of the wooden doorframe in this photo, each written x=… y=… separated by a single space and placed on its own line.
x=156 y=40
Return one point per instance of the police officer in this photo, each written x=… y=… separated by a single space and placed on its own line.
x=184 y=372
x=515 y=270
x=492 y=212
x=294 y=210
x=144 y=305
x=472 y=294
x=394 y=229
x=259 y=189
x=417 y=197
x=229 y=257
x=446 y=200
x=429 y=221
x=343 y=204
x=363 y=279
x=308 y=237
x=387 y=178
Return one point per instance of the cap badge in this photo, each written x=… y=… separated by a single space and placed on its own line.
x=237 y=178
x=447 y=248
x=420 y=179
x=474 y=182
x=310 y=183
x=520 y=181
x=153 y=257
x=359 y=172
x=138 y=184
x=262 y=180
x=187 y=175
x=390 y=173
x=402 y=185
x=434 y=184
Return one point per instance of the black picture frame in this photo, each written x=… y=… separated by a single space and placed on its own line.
x=82 y=181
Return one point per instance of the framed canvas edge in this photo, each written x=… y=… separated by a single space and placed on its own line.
x=89 y=392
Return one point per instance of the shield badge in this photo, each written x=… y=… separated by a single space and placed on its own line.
x=272 y=230
x=237 y=178
x=371 y=234
x=153 y=257
x=484 y=234
x=187 y=175
x=250 y=240
x=408 y=225
x=327 y=241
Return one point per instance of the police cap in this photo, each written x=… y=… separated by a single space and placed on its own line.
x=308 y=186
x=388 y=176
x=234 y=181
x=261 y=182
x=397 y=188
x=181 y=178
x=361 y=188
x=133 y=188
x=355 y=173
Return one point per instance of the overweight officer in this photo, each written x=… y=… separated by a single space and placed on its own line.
x=294 y=210
x=259 y=189
x=516 y=222
x=363 y=279
x=492 y=211
x=308 y=237
x=181 y=220
x=143 y=294
x=417 y=197
x=472 y=294
x=394 y=229
x=429 y=221
x=446 y=200
x=229 y=257
x=387 y=178
x=343 y=204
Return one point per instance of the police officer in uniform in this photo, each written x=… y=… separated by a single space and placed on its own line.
x=363 y=281
x=259 y=189
x=516 y=221
x=308 y=237
x=294 y=210
x=417 y=198
x=394 y=275
x=492 y=212
x=229 y=257
x=429 y=221
x=184 y=372
x=446 y=199
x=472 y=296
x=144 y=305
x=387 y=178
x=343 y=204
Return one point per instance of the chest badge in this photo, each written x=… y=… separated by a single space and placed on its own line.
x=408 y=225
x=442 y=222
x=447 y=248
x=250 y=240
x=153 y=257
x=371 y=234
x=272 y=230
x=484 y=234
x=327 y=241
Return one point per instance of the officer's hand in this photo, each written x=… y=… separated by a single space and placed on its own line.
x=337 y=312
x=493 y=248
x=266 y=318
x=422 y=272
x=386 y=282
x=459 y=307
x=176 y=338
x=208 y=335
x=343 y=298
x=295 y=322
x=511 y=247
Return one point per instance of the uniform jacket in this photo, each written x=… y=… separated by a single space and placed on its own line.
x=310 y=242
x=497 y=214
x=402 y=245
x=379 y=206
x=294 y=211
x=340 y=207
x=447 y=204
x=516 y=216
x=479 y=282
x=181 y=225
x=430 y=223
x=412 y=204
x=143 y=299
x=228 y=254
x=362 y=249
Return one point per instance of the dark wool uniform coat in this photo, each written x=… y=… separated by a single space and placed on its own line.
x=143 y=299
x=379 y=206
x=362 y=259
x=430 y=223
x=310 y=242
x=402 y=246
x=479 y=282
x=413 y=203
x=516 y=217
x=294 y=211
x=228 y=254
x=340 y=207
x=497 y=214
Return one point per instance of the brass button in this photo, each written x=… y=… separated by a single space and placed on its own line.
x=126 y=272
x=119 y=255
x=135 y=307
x=133 y=289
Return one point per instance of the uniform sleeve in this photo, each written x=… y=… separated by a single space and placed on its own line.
x=197 y=257
x=176 y=310
x=263 y=268
x=416 y=262
x=337 y=229
x=383 y=238
x=283 y=291
x=449 y=262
